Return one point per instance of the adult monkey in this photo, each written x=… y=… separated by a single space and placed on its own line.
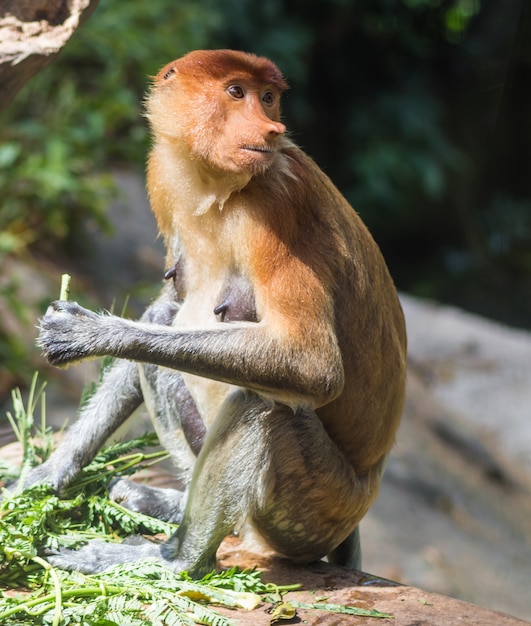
x=278 y=349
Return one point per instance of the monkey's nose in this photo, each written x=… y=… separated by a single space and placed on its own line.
x=278 y=128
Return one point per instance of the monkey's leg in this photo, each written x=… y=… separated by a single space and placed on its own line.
x=181 y=430
x=315 y=499
x=281 y=470
x=264 y=462
x=225 y=481
x=116 y=398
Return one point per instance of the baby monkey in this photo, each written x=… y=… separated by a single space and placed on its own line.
x=272 y=363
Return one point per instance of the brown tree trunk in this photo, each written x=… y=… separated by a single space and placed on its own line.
x=32 y=32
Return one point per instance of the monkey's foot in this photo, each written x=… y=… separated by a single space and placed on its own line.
x=97 y=556
x=164 y=504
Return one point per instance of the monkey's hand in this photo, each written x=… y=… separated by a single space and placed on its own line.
x=67 y=333
x=55 y=472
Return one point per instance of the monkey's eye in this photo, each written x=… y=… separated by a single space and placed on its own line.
x=236 y=91
x=268 y=98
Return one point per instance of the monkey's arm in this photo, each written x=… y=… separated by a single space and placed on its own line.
x=117 y=396
x=291 y=367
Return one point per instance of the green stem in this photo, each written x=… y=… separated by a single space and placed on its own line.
x=120 y=465
x=58 y=613
x=49 y=600
x=283 y=588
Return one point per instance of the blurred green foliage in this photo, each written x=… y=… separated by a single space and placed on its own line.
x=69 y=125
x=84 y=114
x=417 y=109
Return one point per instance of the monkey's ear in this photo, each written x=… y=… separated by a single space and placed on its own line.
x=168 y=73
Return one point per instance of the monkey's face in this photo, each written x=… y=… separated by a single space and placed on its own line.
x=226 y=116
x=245 y=131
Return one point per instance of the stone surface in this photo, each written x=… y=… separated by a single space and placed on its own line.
x=408 y=606
x=478 y=368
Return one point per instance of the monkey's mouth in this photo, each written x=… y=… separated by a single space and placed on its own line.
x=264 y=149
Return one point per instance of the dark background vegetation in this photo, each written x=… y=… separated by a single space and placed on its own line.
x=419 y=110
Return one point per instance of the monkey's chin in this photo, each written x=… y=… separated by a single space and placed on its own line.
x=256 y=160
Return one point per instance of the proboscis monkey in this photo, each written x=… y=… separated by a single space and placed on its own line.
x=276 y=352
